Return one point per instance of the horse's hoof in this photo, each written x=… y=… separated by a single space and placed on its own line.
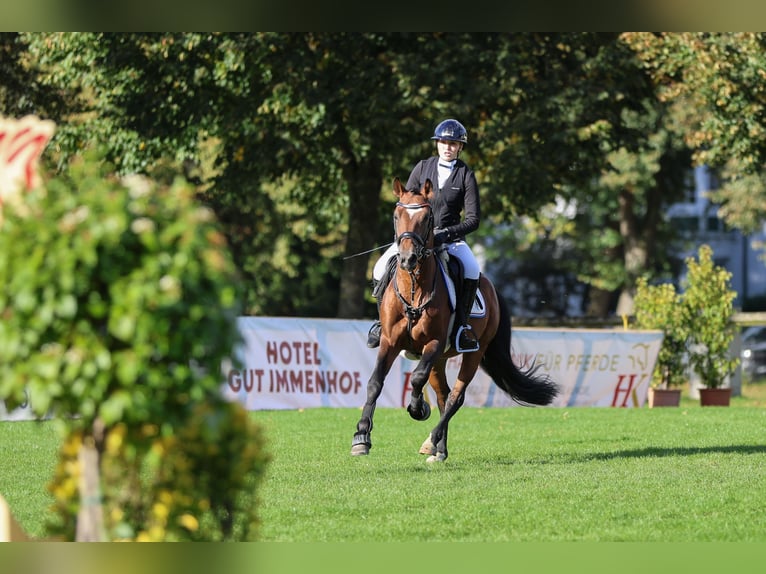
x=438 y=457
x=360 y=450
x=427 y=447
x=361 y=444
x=420 y=414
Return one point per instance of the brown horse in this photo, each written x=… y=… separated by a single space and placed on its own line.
x=416 y=316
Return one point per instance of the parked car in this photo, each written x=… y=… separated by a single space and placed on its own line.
x=753 y=353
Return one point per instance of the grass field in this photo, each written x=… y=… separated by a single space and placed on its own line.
x=687 y=474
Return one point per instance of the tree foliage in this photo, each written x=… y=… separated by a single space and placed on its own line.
x=293 y=139
x=718 y=78
x=604 y=146
x=20 y=92
x=276 y=107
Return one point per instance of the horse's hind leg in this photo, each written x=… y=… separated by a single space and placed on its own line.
x=438 y=437
x=438 y=381
x=452 y=405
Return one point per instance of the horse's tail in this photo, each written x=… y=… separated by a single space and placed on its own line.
x=528 y=386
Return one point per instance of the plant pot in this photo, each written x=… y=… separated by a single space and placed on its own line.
x=715 y=397
x=664 y=397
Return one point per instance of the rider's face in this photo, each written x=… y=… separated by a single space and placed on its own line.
x=448 y=150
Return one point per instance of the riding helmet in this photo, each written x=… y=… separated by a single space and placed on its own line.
x=451 y=130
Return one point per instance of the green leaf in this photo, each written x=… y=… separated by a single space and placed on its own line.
x=127 y=367
x=66 y=307
x=123 y=326
x=112 y=410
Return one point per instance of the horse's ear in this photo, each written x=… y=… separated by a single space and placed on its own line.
x=428 y=189
x=398 y=187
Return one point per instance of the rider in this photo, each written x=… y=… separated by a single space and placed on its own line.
x=457 y=191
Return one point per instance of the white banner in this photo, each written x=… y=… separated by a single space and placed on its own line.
x=296 y=363
x=22 y=413
x=290 y=363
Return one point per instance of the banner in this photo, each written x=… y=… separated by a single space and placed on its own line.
x=292 y=363
x=21 y=413
x=21 y=143
x=297 y=363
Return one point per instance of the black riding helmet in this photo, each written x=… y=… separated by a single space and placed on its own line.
x=451 y=130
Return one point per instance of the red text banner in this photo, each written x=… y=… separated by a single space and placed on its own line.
x=295 y=363
x=289 y=363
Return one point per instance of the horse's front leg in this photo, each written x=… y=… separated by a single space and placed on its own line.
x=361 y=443
x=418 y=408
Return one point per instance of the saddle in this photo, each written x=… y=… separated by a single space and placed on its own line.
x=452 y=271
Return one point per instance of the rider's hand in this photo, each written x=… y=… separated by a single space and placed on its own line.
x=441 y=236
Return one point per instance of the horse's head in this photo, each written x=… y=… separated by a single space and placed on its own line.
x=413 y=223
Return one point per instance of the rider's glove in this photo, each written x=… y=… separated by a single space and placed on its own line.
x=441 y=236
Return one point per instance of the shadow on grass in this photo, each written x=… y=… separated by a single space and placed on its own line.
x=675 y=451
x=460 y=463
x=647 y=452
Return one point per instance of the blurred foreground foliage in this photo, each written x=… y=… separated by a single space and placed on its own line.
x=119 y=301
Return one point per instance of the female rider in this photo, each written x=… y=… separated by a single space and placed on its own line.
x=457 y=191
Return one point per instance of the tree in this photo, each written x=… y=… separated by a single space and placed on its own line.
x=280 y=107
x=580 y=120
x=294 y=138
x=718 y=78
x=20 y=94
x=626 y=205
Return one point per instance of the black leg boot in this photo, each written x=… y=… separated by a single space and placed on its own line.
x=373 y=337
x=466 y=340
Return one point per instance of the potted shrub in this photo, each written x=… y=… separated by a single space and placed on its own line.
x=659 y=307
x=708 y=308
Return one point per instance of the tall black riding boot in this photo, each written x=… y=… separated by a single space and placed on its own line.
x=373 y=337
x=466 y=341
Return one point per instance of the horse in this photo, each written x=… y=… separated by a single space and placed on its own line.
x=416 y=318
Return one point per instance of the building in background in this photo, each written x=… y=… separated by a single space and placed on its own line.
x=698 y=222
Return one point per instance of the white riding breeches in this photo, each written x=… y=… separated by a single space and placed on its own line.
x=459 y=249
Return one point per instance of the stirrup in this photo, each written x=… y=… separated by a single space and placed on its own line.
x=470 y=344
x=373 y=337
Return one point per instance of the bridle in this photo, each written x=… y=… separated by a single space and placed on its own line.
x=421 y=252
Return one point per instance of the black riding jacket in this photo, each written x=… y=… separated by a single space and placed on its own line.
x=460 y=193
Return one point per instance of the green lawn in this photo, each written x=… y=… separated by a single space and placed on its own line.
x=687 y=474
